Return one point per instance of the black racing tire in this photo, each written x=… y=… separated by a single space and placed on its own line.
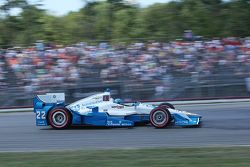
x=59 y=118
x=159 y=117
x=166 y=105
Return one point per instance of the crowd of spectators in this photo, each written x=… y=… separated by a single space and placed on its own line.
x=3 y=72
x=55 y=66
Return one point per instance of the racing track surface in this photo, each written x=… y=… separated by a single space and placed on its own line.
x=223 y=125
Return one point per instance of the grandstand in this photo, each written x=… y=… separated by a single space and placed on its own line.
x=148 y=70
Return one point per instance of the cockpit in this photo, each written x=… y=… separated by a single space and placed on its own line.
x=121 y=102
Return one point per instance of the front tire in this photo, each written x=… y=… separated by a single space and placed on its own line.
x=59 y=118
x=160 y=118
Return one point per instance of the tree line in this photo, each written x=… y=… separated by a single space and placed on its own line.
x=123 y=21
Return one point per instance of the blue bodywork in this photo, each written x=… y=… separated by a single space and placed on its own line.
x=179 y=121
x=96 y=118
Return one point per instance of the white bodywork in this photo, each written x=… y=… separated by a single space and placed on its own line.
x=52 y=97
x=106 y=104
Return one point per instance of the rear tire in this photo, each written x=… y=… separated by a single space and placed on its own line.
x=166 y=106
x=59 y=118
x=160 y=118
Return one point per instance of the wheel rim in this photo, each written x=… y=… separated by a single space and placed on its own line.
x=59 y=118
x=159 y=117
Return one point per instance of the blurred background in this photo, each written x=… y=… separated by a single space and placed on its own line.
x=140 y=50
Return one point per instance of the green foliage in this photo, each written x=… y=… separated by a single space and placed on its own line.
x=7 y=5
x=117 y=19
x=124 y=22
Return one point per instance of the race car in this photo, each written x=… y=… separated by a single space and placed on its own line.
x=102 y=110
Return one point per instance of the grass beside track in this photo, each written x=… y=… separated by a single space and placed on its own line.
x=187 y=157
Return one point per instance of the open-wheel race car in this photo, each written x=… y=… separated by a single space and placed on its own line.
x=102 y=110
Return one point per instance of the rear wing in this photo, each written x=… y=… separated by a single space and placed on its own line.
x=49 y=99
x=52 y=98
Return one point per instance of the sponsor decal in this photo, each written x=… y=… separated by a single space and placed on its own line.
x=41 y=123
x=118 y=107
x=120 y=123
x=111 y=123
x=126 y=124
x=181 y=122
x=91 y=103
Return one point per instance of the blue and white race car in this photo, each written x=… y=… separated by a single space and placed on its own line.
x=101 y=110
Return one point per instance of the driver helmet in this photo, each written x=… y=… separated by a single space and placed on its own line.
x=118 y=101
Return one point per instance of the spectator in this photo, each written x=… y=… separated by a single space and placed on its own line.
x=141 y=62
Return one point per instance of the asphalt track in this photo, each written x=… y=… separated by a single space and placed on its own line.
x=225 y=124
